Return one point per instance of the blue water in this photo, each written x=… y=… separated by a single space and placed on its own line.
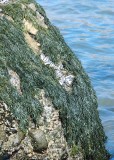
x=88 y=28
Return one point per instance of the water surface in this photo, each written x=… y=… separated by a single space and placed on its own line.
x=88 y=28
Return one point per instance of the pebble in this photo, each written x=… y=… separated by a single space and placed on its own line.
x=39 y=140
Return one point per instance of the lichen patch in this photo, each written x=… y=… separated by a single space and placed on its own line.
x=1 y=15
x=9 y=18
x=23 y=6
x=29 y=27
x=32 y=6
x=6 y=16
x=40 y=20
x=32 y=43
x=15 y=80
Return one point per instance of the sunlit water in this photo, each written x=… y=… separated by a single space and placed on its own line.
x=88 y=28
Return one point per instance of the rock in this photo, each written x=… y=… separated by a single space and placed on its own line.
x=64 y=155
x=29 y=27
x=15 y=80
x=2 y=135
x=47 y=103
x=4 y=1
x=39 y=141
x=64 y=77
x=32 y=6
x=33 y=44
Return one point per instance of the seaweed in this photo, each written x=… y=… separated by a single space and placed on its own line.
x=78 y=108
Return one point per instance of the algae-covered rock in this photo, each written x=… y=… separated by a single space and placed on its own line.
x=43 y=86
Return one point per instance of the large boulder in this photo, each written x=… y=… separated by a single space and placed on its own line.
x=48 y=108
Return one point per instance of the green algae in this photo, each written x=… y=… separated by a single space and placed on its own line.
x=78 y=108
x=75 y=150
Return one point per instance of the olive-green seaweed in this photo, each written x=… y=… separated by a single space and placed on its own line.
x=78 y=108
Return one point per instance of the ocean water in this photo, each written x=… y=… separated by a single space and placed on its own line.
x=88 y=28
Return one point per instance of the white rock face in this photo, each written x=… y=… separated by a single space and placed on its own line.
x=4 y=1
x=52 y=127
x=15 y=80
x=48 y=135
x=32 y=6
x=29 y=27
x=32 y=43
x=65 y=79
x=40 y=18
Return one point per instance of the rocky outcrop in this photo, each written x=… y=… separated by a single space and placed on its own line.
x=48 y=108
